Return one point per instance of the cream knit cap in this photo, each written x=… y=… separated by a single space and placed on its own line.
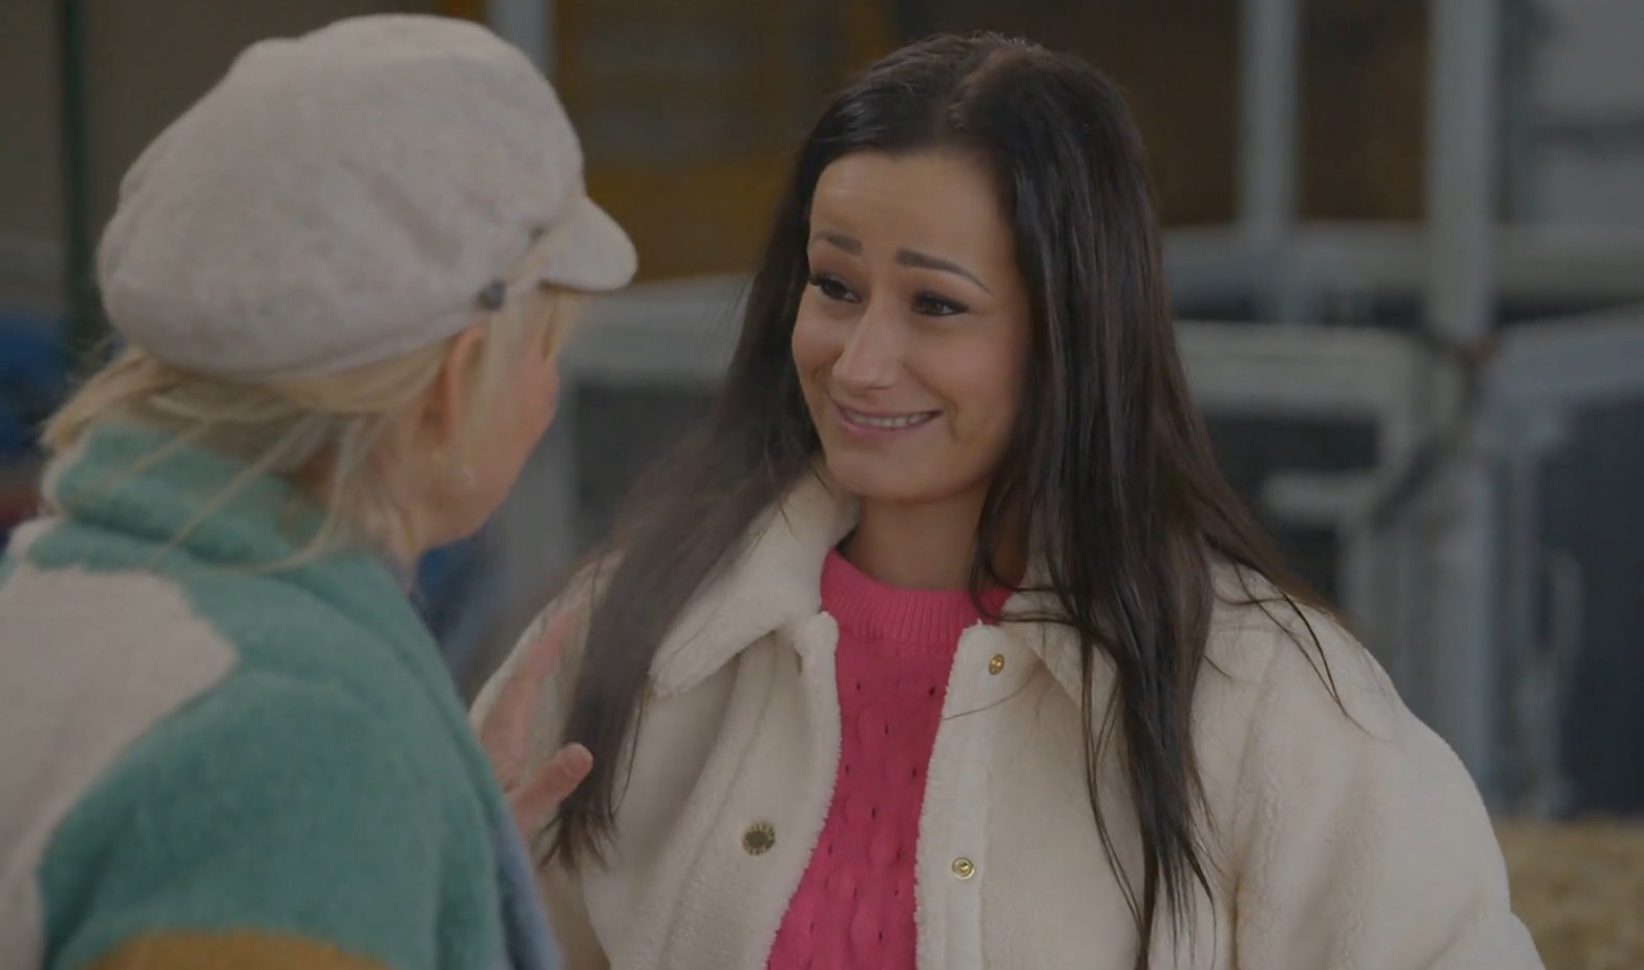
x=348 y=196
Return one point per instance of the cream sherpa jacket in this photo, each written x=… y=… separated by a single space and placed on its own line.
x=1338 y=840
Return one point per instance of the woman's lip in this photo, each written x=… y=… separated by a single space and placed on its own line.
x=868 y=424
x=859 y=412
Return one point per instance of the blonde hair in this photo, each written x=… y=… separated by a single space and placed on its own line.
x=324 y=434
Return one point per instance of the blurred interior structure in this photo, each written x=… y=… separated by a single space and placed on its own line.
x=1406 y=243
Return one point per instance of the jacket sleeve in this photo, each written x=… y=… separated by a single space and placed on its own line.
x=579 y=947
x=271 y=824
x=1361 y=840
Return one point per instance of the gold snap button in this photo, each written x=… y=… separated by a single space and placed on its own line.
x=759 y=838
x=996 y=666
x=964 y=868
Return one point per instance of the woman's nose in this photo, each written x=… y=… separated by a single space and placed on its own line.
x=871 y=358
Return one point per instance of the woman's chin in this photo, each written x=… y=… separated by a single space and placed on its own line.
x=877 y=481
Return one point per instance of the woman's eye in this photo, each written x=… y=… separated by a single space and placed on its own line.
x=931 y=305
x=832 y=287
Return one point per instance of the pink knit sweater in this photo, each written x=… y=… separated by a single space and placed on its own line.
x=855 y=905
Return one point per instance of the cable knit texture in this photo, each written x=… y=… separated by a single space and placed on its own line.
x=855 y=905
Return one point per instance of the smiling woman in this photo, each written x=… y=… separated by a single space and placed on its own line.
x=944 y=642
x=910 y=344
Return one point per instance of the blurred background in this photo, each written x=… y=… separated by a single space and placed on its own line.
x=1406 y=241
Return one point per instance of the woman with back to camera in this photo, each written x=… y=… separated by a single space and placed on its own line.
x=945 y=644
x=226 y=739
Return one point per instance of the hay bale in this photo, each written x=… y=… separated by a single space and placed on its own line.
x=1579 y=887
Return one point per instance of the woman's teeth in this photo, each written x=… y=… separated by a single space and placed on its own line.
x=890 y=423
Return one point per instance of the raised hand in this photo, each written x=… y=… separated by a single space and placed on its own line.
x=533 y=795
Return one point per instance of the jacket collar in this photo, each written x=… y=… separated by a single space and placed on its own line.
x=777 y=580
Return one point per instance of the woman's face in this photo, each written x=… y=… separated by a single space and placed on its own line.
x=912 y=339
x=493 y=453
x=527 y=400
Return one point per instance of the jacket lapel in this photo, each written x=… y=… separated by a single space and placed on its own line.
x=778 y=579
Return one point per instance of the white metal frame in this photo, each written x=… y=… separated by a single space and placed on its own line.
x=1462 y=261
x=1543 y=375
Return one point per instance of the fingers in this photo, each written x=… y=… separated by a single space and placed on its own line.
x=542 y=656
x=535 y=801
x=506 y=731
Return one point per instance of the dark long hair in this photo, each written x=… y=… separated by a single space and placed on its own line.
x=1110 y=465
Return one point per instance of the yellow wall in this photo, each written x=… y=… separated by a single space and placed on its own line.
x=652 y=82
x=689 y=110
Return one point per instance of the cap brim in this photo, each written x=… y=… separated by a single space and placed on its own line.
x=589 y=252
